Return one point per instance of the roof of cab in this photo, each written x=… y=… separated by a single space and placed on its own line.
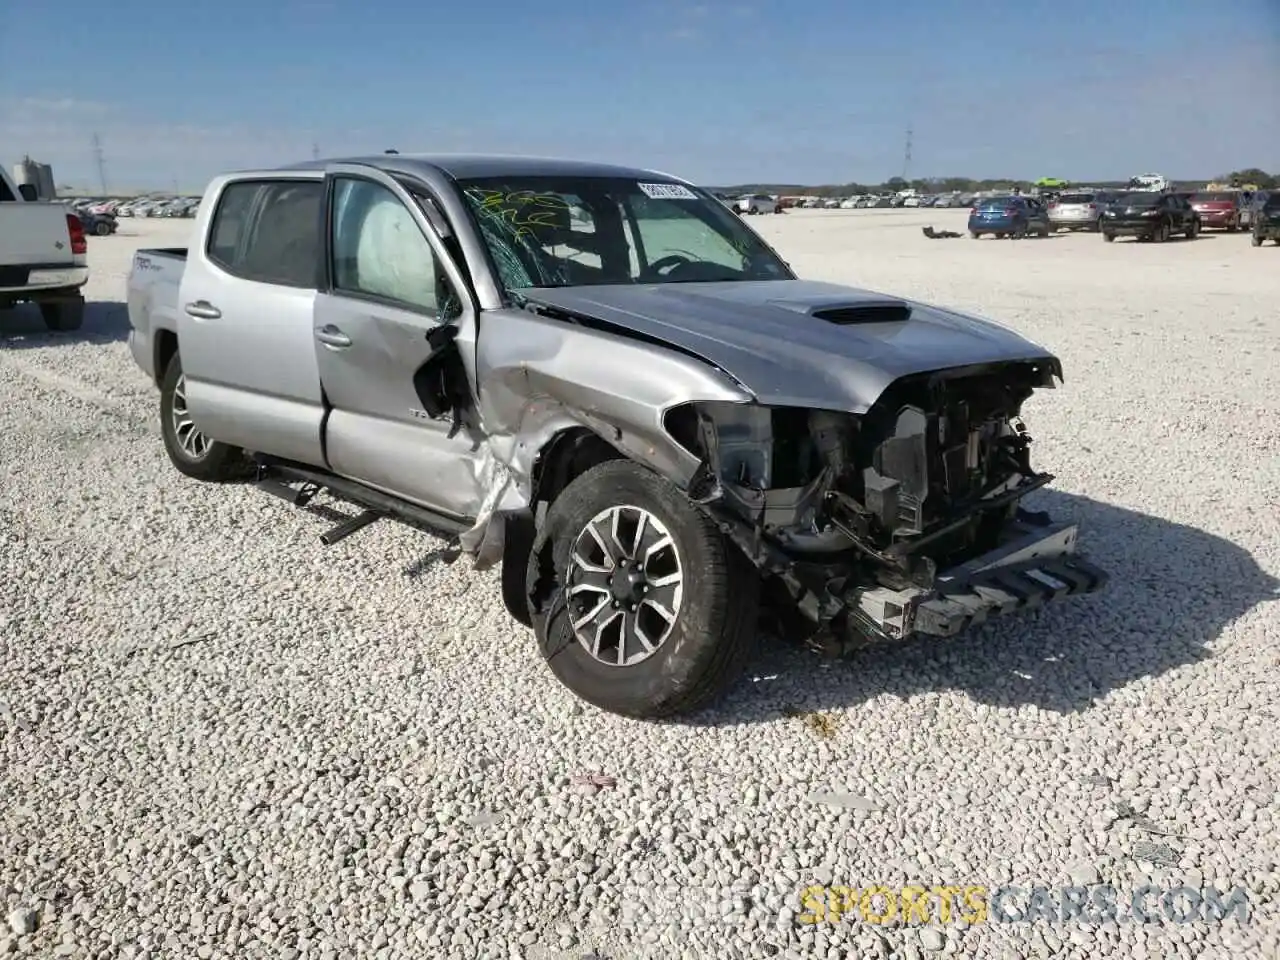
x=475 y=166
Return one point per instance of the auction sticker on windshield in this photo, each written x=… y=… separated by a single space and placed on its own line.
x=667 y=191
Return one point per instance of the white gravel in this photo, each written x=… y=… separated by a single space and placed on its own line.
x=222 y=739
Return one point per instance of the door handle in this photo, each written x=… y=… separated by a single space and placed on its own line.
x=331 y=336
x=203 y=309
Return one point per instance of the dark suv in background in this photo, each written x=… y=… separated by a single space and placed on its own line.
x=1150 y=216
x=1266 y=219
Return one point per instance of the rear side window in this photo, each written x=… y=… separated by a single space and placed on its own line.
x=269 y=231
x=229 y=221
x=1077 y=198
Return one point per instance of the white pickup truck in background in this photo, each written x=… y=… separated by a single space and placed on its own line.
x=42 y=256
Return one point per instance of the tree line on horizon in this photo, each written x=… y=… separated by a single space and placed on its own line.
x=1252 y=175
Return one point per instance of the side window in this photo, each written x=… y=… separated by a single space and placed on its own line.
x=284 y=243
x=229 y=222
x=379 y=251
x=269 y=231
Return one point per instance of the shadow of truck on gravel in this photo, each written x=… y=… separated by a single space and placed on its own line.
x=105 y=321
x=1173 y=589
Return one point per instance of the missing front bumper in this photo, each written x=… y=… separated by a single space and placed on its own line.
x=1034 y=568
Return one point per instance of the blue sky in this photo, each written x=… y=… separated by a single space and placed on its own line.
x=719 y=92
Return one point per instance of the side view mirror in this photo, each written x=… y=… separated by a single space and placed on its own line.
x=28 y=191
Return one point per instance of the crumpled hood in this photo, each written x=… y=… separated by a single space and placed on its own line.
x=765 y=335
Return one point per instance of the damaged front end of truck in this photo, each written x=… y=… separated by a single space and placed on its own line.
x=906 y=519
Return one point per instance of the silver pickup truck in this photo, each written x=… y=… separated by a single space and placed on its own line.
x=601 y=378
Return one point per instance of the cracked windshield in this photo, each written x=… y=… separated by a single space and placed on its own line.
x=587 y=230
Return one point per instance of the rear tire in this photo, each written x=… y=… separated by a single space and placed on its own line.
x=63 y=315
x=1193 y=231
x=1256 y=239
x=1108 y=236
x=975 y=235
x=710 y=589
x=102 y=228
x=194 y=454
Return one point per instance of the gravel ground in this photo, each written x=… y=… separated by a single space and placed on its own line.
x=222 y=739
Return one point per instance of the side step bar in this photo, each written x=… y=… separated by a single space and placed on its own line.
x=278 y=478
x=347 y=527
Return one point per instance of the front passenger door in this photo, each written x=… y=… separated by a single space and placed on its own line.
x=389 y=282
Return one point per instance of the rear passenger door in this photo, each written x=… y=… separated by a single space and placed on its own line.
x=244 y=320
x=390 y=282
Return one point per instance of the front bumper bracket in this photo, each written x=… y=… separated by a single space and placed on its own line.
x=1034 y=567
x=1003 y=590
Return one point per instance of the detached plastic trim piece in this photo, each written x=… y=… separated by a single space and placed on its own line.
x=1004 y=590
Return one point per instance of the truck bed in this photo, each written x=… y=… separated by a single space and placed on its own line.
x=152 y=293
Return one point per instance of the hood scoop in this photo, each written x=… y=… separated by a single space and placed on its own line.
x=864 y=311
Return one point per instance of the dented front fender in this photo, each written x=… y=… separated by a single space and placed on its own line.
x=538 y=376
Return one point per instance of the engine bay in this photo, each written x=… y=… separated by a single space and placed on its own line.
x=928 y=478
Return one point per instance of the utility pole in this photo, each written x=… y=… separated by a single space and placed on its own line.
x=315 y=151
x=906 y=157
x=101 y=163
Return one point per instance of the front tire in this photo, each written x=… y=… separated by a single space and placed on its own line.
x=102 y=228
x=194 y=454
x=640 y=605
x=1256 y=240
x=1193 y=231
x=1108 y=236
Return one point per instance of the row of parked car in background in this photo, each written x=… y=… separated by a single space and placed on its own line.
x=751 y=204
x=885 y=201
x=100 y=218
x=1153 y=215
x=150 y=206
